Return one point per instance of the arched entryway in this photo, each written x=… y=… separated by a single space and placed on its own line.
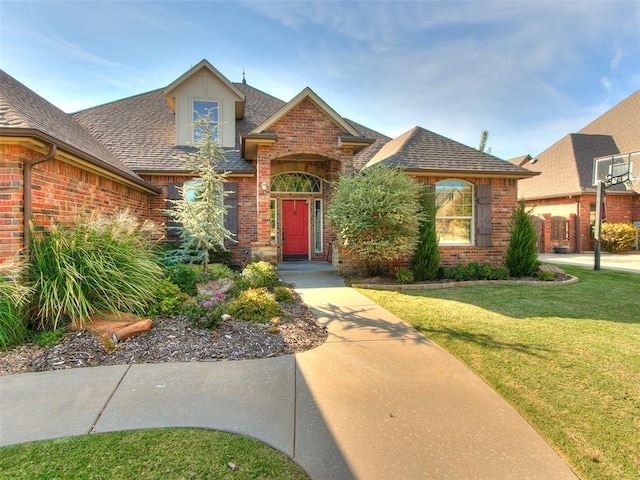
x=297 y=215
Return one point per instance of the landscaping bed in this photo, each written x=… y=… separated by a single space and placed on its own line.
x=175 y=339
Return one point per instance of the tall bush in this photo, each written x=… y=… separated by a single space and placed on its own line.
x=426 y=261
x=375 y=213
x=522 y=254
x=99 y=263
x=13 y=297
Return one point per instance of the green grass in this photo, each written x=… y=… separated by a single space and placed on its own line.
x=147 y=454
x=566 y=357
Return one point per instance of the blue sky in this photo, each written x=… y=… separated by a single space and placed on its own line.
x=528 y=71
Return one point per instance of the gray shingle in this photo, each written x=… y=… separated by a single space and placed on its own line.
x=421 y=150
x=21 y=108
x=567 y=166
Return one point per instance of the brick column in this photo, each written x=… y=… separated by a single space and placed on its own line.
x=262 y=247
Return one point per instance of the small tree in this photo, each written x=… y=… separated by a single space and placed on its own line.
x=375 y=213
x=201 y=208
x=522 y=255
x=426 y=261
x=482 y=146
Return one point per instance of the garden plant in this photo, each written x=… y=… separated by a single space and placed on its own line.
x=376 y=214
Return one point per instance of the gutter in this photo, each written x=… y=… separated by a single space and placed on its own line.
x=43 y=137
x=27 y=208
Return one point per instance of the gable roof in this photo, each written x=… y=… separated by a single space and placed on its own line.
x=309 y=94
x=419 y=150
x=566 y=167
x=204 y=64
x=23 y=113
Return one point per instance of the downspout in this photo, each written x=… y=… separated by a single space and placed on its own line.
x=27 y=209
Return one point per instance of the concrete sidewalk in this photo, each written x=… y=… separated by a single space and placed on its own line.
x=626 y=262
x=377 y=401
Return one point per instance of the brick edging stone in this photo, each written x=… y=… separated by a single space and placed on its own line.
x=472 y=283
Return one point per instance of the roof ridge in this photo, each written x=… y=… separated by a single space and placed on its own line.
x=116 y=101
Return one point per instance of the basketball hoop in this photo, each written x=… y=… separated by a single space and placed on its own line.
x=607 y=172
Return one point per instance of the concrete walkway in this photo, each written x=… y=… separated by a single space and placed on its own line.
x=377 y=401
x=626 y=262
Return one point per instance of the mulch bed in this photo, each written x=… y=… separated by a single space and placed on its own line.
x=174 y=339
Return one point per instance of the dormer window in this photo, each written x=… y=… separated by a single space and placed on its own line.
x=208 y=110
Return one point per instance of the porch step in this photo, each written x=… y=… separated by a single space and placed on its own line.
x=310 y=274
x=306 y=269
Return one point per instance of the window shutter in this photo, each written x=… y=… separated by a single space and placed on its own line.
x=483 y=215
x=231 y=202
x=173 y=227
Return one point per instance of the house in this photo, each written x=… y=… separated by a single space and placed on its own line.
x=281 y=159
x=563 y=196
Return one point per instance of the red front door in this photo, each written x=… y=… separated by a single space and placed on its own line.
x=295 y=230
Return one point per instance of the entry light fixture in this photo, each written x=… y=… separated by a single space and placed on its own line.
x=263 y=186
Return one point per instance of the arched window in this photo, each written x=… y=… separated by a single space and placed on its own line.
x=296 y=183
x=454 y=218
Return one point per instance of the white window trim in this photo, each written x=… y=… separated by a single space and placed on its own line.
x=217 y=101
x=472 y=218
x=318 y=222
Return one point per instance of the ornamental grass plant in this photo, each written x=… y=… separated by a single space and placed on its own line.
x=13 y=298
x=99 y=263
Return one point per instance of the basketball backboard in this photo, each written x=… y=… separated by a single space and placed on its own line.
x=617 y=169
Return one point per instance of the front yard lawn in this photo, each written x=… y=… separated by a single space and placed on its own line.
x=172 y=453
x=567 y=358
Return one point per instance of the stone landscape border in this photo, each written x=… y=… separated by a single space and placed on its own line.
x=472 y=283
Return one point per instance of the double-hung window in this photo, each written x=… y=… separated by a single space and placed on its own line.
x=454 y=217
x=205 y=110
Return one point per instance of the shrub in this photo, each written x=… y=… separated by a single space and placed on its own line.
x=240 y=284
x=375 y=214
x=184 y=277
x=426 y=260
x=522 y=254
x=475 y=271
x=255 y=305
x=168 y=300
x=206 y=312
x=617 y=237
x=50 y=338
x=100 y=263
x=283 y=294
x=546 y=276
x=216 y=272
x=261 y=275
x=13 y=298
x=404 y=276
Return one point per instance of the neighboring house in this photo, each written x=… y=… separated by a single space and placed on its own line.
x=563 y=196
x=281 y=158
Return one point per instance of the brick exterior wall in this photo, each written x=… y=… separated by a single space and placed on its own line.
x=623 y=208
x=59 y=191
x=11 y=158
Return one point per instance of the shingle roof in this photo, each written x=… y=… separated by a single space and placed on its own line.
x=621 y=122
x=22 y=110
x=140 y=131
x=421 y=150
x=567 y=166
